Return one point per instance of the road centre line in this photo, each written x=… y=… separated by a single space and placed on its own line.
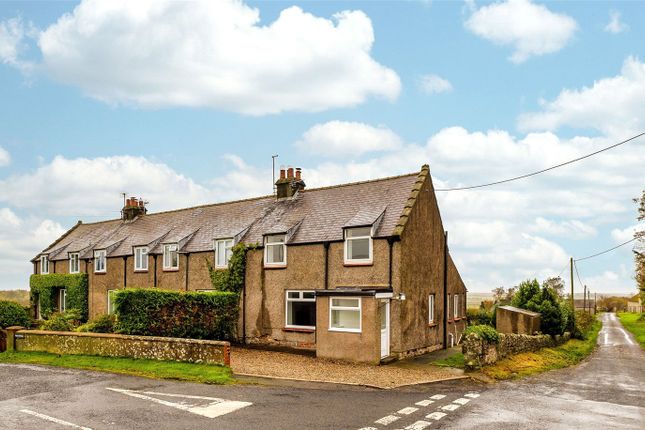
x=461 y=401
x=53 y=420
x=438 y=396
x=451 y=407
x=436 y=415
x=387 y=420
x=419 y=425
x=408 y=410
x=424 y=402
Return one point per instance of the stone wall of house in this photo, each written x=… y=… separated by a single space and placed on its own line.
x=115 y=345
x=478 y=352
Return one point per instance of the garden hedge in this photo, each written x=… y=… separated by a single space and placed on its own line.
x=152 y=312
x=45 y=287
x=12 y=314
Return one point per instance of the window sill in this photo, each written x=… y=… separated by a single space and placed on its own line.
x=434 y=324
x=100 y=273
x=358 y=263
x=457 y=319
x=299 y=329
x=140 y=270
x=345 y=330
x=276 y=266
x=171 y=270
x=221 y=268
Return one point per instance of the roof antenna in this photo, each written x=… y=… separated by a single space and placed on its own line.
x=273 y=157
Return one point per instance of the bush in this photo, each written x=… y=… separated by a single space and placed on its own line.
x=151 y=312
x=479 y=316
x=11 y=313
x=485 y=332
x=46 y=287
x=66 y=321
x=100 y=324
x=554 y=312
x=583 y=323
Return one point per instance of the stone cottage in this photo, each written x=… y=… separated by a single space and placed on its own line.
x=358 y=271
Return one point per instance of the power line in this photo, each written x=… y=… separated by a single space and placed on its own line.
x=575 y=266
x=605 y=251
x=543 y=170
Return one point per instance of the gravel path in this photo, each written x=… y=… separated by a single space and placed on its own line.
x=294 y=366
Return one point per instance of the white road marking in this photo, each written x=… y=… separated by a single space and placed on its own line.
x=436 y=416
x=424 y=402
x=450 y=407
x=419 y=425
x=408 y=410
x=387 y=420
x=368 y=428
x=438 y=396
x=471 y=395
x=461 y=401
x=629 y=341
x=214 y=408
x=606 y=338
x=53 y=420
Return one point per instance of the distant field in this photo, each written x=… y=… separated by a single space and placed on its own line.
x=20 y=296
x=473 y=300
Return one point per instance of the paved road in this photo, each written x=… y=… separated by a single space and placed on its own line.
x=604 y=392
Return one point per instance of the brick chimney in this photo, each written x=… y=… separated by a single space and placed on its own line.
x=133 y=208
x=289 y=184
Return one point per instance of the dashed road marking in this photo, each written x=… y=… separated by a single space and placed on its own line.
x=387 y=420
x=436 y=416
x=408 y=410
x=214 y=407
x=461 y=401
x=450 y=407
x=438 y=396
x=424 y=402
x=419 y=425
x=53 y=420
x=368 y=428
x=471 y=395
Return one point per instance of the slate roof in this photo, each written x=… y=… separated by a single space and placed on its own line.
x=312 y=215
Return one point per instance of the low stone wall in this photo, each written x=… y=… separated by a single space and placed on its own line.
x=116 y=345
x=478 y=352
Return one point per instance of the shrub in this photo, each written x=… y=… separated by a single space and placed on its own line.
x=65 y=321
x=100 y=324
x=583 y=324
x=479 y=316
x=484 y=332
x=151 y=312
x=11 y=313
x=554 y=312
x=45 y=288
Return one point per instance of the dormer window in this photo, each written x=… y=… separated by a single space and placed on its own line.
x=44 y=264
x=74 y=266
x=141 y=258
x=223 y=252
x=170 y=257
x=358 y=245
x=275 y=250
x=100 y=261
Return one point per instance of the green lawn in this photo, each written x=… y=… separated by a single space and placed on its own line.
x=631 y=322
x=205 y=373
x=455 y=360
x=528 y=363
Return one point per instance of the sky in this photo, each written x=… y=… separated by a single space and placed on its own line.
x=184 y=103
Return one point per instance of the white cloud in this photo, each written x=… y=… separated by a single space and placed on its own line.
x=623 y=235
x=215 y=54
x=615 y=25
x=5 y=158
x=569 y=228
x=613 y=105
x=531 y=29
x=352 y=139
x=434 y=84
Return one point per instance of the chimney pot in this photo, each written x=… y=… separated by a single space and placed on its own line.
x=290 y=173
x=282 y=172
x=298 y=173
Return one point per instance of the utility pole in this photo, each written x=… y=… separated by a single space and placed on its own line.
x=573 y=303
x=595 y=303
x=584 y=299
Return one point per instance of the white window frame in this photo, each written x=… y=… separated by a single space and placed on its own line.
x=74 y=258
x=166 y=252
x=44 y=264
x=110 y=309
x=62 y=300
x=455 y=305
x=143 y=250
x=227 y=252
x=371 y=247
x=431 y=309
x=358 y=308
x=300 y=298
x=100 y=254
x=283 y=243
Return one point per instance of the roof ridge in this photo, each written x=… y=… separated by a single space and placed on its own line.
x=387 y=178
x=422 y=175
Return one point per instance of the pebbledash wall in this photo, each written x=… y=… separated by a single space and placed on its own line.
x=115 y=345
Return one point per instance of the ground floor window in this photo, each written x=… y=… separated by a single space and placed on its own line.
x=111 y=294
x=456 y=306
x=62 y=300
x=301 y=309
x=431 y=309
x=345 y=314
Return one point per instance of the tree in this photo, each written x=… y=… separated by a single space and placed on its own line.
x=527 y=296
x=554 y=315
x=639 y=249
x=557 y=284
x=499 y=293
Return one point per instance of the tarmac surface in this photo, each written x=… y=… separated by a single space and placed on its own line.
x=606 y=391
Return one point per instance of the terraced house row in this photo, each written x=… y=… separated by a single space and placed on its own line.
x=358 y=271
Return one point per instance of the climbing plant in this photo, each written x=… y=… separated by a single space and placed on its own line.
x=45 y=288
x=231 y=279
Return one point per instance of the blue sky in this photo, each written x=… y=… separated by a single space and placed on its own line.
x=175 y=103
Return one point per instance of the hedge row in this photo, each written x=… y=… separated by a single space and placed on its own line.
x=45 y=288
x=192 y=315
x=11 y=313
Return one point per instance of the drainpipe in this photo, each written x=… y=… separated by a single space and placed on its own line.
x=390 y=242
x=246 y=261
x=125 y=271
x=155 y=275
x=326 y=245
x=445 y=290
x=187 y=262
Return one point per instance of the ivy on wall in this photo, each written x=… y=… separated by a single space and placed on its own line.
x=231 y=279
x=45 y=289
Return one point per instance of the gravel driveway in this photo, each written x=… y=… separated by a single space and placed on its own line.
x=275 y=364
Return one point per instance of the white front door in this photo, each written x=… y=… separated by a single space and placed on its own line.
x=384 y=313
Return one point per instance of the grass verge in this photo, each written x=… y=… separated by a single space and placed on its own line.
x=455 y=360
x=632 y=323
x=204 y=373
x=528 y=363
